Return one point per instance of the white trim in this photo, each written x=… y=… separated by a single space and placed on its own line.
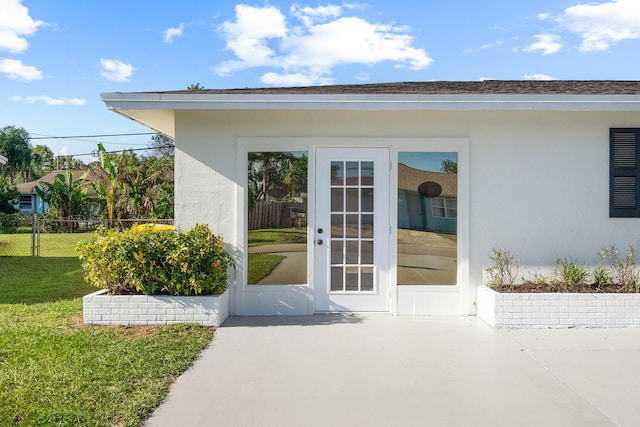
x=387 y=102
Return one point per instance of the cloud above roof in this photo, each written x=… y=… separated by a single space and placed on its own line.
x=16 y=70
x=49 y=100
x=116 y=70
x=172 y=33
x=305 y=46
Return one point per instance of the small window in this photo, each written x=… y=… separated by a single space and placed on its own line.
x=25 y=203
x=444 y=208
x=624 y=173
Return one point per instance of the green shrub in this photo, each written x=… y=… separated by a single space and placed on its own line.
x=153 y=262
x=504 y=270
x=9 y=222
x=569 y=273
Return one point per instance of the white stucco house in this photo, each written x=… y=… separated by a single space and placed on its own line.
x=546 y=169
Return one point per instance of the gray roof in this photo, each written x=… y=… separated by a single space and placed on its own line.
x=488 y=87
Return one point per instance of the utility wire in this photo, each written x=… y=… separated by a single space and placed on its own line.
x=42 y=136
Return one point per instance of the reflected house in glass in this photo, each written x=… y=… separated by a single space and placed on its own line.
x=546 y=169
x=418 y=211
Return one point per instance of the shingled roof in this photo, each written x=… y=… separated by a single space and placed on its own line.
x=487 y=87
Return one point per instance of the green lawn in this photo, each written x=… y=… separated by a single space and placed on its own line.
x=269 y=236
x=51 y=244
x=55 y=371
x=261 y=265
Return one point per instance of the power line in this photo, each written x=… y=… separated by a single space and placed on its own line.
x=90 y=136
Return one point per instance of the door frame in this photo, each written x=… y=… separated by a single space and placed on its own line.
x=324 y=299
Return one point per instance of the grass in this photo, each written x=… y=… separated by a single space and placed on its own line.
x=51 y=244
x=55 y=371
x=270 y=236
x=261 y=265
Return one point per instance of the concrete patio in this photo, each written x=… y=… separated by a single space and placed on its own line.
x=379 y=370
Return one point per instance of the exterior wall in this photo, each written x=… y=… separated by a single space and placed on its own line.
x=539 y=181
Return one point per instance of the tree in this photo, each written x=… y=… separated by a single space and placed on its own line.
x=449 y=166
x=276 y=175
x=15 y=146
x=65 y=195
x=196 y=86
x=162 y=145
x=42 y=161
x=8 y=195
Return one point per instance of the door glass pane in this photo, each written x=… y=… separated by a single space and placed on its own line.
x=336 y=278
x=367 y=199
x=337 y=173
x=353 y=173
x=367 y=173
x=351 y=279
x=366 y=278
x=277 y=218
x=427 y=212
x=337 y=201
x=366 y=256
x=352 y=220
x=352 y=200
x=352 y=252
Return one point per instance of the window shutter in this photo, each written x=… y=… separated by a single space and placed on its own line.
x=624 y=173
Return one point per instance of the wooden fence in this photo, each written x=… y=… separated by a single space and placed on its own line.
x=277 y=215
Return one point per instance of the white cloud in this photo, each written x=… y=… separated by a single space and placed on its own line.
x=115 y=70
x=546 y=43
x=15 y=23
x=172 y=33
x=306 y=54
x=543 y=16
x=602 y=25
x=538 y=77
x=48 y=100
x=16 y=70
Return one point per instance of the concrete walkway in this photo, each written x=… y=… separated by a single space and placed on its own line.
x=379 y=370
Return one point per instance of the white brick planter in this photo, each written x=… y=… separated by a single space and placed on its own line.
x=557 y=310
x=102 y=309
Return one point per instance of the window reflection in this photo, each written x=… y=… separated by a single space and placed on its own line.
x=277 y=219
x=427 y=218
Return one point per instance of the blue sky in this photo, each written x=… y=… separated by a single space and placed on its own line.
x=57 y=56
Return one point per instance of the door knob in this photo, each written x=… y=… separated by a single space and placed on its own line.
x=319 y=241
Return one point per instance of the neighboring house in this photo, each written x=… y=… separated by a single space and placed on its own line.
x=29 y=201
x=3 y=160
x=546 y=169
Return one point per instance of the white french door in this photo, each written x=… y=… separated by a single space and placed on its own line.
x=352 y=229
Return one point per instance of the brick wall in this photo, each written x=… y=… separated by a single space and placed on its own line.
x=102 y=309
x=558 y=310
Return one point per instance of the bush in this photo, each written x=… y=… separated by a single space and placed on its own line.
x=504 y=270
x=9 y=223
x=152 y=261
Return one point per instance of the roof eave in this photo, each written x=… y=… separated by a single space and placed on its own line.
x=120 y=102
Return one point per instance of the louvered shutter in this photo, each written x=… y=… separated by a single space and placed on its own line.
x=624 y=173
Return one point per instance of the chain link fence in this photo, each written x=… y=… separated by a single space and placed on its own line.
x=32 y=235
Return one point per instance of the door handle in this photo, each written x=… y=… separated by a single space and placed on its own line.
x=319 y=241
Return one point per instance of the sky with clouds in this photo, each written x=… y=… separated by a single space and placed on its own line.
x=57 y=56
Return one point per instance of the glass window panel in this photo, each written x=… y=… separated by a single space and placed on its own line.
x=352 y=200
x=427 y=211
x=352 y=226
x=366 y=173
x=336 y=252
x=337 y=173
x=366 y=256
x=277 y=212
x=352 y=252
x=353 y=173
x=351 y=279
x=367 y=200
x=366 y=226
x=337 y=200
x=366 y=279
x=337 y=279
x=337 y=225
